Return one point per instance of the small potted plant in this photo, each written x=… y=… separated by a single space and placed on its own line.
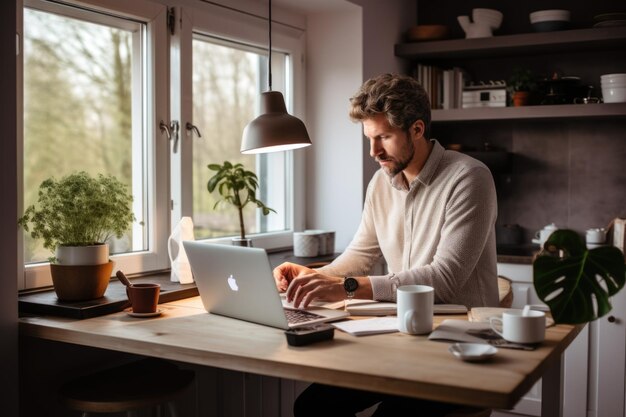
x=576 y=282
x=75 y=216
x=521 y=84
x=236 y=186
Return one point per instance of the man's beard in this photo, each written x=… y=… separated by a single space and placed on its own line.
x=399 y=165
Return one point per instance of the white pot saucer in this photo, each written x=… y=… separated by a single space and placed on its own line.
x=144 y=315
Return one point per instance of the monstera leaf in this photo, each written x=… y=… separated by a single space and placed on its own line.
x=574 y=282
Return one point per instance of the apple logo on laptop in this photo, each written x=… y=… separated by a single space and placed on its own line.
x=232 y=283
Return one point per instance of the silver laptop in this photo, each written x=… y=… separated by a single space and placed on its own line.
x=237 y=282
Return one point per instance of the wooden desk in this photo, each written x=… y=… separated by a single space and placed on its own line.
x=392 y=363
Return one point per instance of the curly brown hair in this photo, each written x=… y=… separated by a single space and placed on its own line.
x=399 y=97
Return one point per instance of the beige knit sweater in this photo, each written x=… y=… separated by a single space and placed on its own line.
x=438 y=232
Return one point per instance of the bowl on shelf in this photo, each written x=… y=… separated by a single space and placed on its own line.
x=549 y=20
x=426 y=33
x=613 y=88
x=613 y=79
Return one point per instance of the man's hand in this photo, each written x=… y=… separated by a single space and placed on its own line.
x=305 y=288
x=286 y=272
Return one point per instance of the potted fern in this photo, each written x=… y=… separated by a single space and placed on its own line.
x=75 y=217
x=236 y=186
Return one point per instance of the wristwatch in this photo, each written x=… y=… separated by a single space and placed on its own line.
x=350 y=284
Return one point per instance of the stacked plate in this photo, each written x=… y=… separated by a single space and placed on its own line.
x=613 y=88
x=609 y=19
x=549 y=20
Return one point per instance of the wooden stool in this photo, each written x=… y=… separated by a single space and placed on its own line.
x=505 y=292
x=127 y=388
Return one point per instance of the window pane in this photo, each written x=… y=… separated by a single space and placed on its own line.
x=83 y=107
x=227 y=82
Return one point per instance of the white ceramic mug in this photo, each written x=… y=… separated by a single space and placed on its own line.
x=542 y=235
x=518 y=328
x=596 y=235
x=415 y=308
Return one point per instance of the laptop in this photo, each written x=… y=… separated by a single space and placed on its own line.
x=237 y=282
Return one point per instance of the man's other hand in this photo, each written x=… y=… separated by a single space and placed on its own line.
x=286 y=272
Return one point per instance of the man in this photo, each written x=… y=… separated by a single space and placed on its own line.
x=430 y=213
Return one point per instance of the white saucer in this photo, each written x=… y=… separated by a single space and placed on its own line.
x=155 y=314
x=473 y=352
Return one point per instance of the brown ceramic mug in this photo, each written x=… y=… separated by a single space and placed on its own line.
x=144 y=297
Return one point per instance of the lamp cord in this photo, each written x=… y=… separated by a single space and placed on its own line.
x=269 y=73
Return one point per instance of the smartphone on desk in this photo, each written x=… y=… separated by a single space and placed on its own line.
x=302 y=336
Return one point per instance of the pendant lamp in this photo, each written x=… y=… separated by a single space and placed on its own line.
x=275 y=129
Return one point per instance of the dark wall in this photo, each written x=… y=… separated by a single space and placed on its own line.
x=8 y=212
x=570 y=172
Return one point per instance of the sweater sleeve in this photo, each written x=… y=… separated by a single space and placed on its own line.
x=470 y=214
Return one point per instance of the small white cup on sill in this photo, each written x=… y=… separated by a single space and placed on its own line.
x=305 y=244
x=415 y=308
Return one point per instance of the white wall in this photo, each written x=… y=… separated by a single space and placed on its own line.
x=334 y=163
x=384 y=24
x=343 y=50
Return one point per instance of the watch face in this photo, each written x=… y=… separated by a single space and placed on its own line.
x=350 y=284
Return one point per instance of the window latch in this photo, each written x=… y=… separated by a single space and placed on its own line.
x=171 y=132
x=192 y=128
x=165 y=129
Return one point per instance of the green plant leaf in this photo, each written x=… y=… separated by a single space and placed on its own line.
x=80 y=210
x=231 y=180
x=577 y=286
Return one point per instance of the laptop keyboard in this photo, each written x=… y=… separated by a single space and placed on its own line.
x=300 y=316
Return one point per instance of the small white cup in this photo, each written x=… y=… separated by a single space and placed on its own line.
x=305 y=245
x=415 y=308
x=518 y=328
x=596 y=235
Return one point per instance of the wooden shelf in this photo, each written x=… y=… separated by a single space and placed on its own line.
x=564 y=111
x=513 y=45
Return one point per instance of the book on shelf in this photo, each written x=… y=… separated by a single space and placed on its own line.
x=443 y=86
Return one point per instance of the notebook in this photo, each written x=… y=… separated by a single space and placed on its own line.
x=237 y=282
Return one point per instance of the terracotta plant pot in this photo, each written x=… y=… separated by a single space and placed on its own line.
x=521 y=98
x=80 y=282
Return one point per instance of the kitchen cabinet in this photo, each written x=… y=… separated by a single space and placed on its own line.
x=608 y=361
x=575 y=363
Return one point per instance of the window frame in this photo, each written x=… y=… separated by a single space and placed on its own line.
x=155 y=109
x=232 y=26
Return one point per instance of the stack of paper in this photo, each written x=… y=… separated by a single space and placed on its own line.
x=374 y=308
x=364 y=327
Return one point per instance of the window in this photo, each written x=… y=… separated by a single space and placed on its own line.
x=99 y=79
x=87 y=107
x=80 y=81
x=227 y=83
x=227 y=63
